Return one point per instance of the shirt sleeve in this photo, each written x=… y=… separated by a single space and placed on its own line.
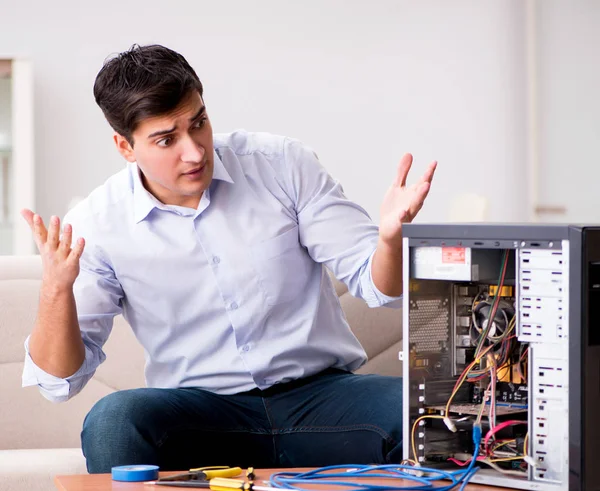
x=98 y=297
x=335 y=231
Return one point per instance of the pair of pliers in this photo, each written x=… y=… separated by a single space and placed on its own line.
x=204 y=474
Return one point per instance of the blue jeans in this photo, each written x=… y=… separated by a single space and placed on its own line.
x=334 y=417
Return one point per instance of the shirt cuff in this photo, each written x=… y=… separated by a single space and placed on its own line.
x=373 y=296
x=53 y=388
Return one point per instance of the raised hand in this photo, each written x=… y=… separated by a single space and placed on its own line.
x=401 y=203
x=60 y=259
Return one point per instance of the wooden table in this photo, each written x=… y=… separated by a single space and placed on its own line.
x=87 y=482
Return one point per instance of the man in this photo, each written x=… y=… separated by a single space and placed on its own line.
x=214 y=253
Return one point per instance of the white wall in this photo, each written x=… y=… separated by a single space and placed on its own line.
x=568 y=39
x=361 y=82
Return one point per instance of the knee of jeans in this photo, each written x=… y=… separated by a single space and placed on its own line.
x=386 y=394
x=110 y=415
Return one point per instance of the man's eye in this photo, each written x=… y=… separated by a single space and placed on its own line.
x=200 y=123
x=165 y=142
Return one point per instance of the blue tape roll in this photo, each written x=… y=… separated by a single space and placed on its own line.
x=135 y=473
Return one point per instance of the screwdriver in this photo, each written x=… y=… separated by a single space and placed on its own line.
x=205 y=474
x=220 y=483
x=216 y=484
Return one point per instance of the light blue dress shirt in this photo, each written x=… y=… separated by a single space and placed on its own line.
x=232 y=295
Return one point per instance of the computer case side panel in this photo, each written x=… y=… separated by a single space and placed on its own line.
x=585 y=434
x=576 y=361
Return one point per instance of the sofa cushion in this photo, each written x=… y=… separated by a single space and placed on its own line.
x=34 y=470
x=376 y=329
x=18 y=308
x=385 y=363
x=28 y=420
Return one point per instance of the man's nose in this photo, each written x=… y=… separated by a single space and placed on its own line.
x=192 y=152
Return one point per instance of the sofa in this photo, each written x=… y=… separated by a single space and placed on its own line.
x=40 y=439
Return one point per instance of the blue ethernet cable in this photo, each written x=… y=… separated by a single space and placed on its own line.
x=287 y=480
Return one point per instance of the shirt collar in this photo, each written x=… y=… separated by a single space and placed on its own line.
x=220 y=172
x=144 y=202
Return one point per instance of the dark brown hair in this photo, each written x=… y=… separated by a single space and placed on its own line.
x=143 y=82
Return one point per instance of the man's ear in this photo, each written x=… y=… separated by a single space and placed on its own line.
x=124 y=147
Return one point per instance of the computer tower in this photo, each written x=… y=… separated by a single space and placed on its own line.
x=501 y=327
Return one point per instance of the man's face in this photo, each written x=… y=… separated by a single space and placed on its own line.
x=174 y=153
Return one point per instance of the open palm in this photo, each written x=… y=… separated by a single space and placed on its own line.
x=401 y=203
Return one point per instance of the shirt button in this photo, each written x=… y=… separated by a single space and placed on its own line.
x=246 y=348
x=233 y=306
x=216 y=260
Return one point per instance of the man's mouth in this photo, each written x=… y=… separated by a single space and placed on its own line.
x=195 y=172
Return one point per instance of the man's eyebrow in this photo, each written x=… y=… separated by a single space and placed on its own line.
x=171 y=130
x=198 y=114
x=162 y=132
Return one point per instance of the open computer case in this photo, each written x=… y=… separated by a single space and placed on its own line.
x=501 y=327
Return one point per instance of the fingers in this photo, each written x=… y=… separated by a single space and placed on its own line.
x=39 y=230
x=67 y=237
x=428 y=176
x=53 y=232
x=52 y=237
x=36 y=224
x=28 y=216
x=77 y=250
x=403 y=168
x=418 y=193
x=421 y=192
